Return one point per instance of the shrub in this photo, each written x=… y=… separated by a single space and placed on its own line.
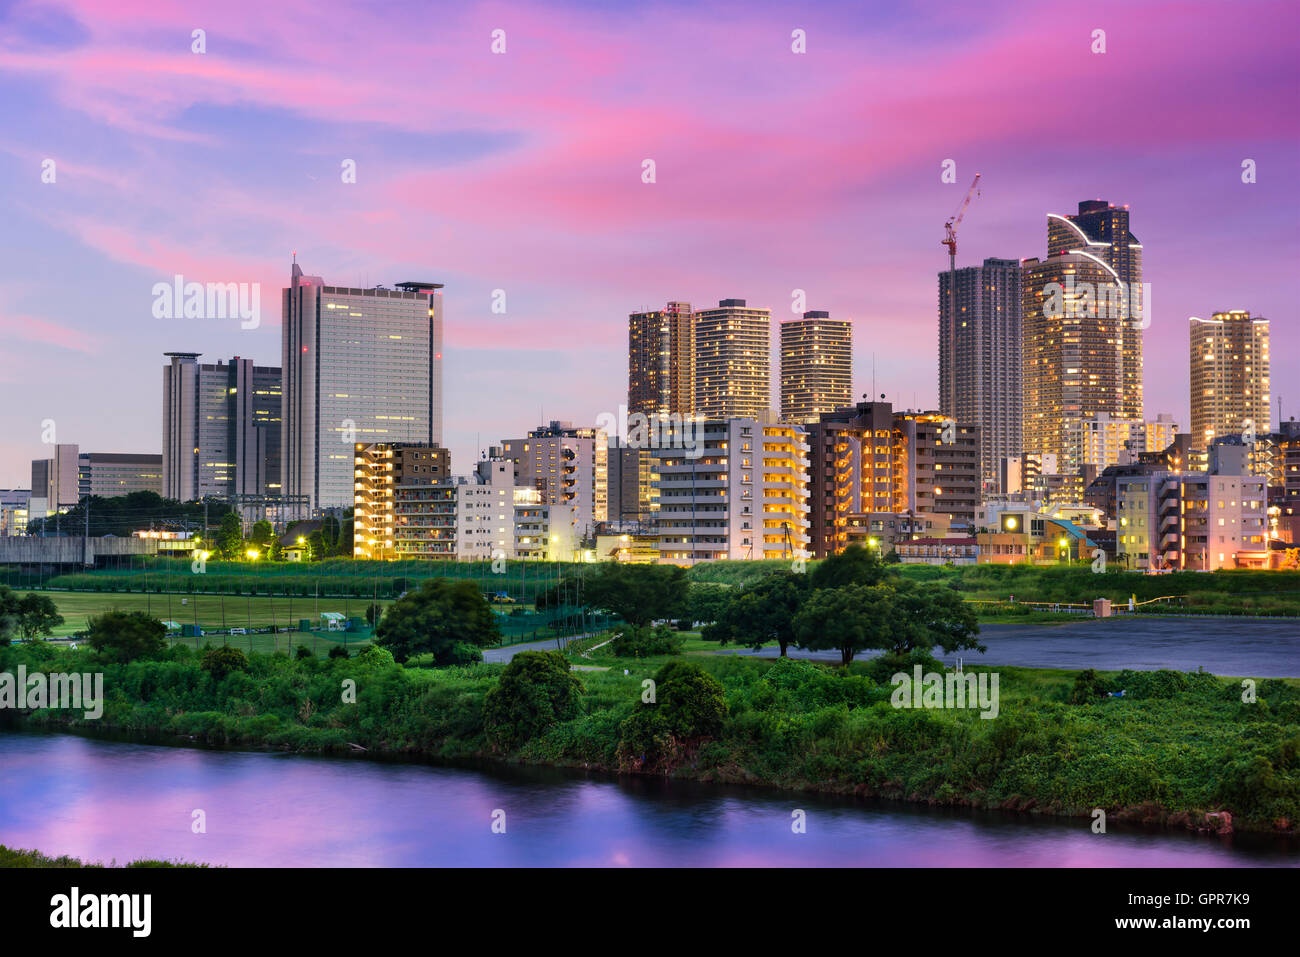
x=303 y=652
x=222 y=661
x=339 y=651
x=535 y=693
x=639 y=641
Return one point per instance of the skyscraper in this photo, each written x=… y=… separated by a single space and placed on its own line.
x=221 y=428
x=1101 y=231
x=360 y=365
x=816 y=366
x=1082 y=314
x=1229 y=376
x=660 y=361
x=733 y=361
x=987 y=355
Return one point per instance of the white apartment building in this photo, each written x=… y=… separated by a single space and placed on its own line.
x=745 y=495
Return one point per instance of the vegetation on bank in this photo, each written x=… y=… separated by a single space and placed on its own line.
x=16 y=857
x=1172 y=748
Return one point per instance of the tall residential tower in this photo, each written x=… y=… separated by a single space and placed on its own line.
x=987 y=352
x=660 y=361
x=1229 y=376
x=733 y=361
x=816 y=366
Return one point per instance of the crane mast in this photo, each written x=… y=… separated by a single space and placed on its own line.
x=949 y=408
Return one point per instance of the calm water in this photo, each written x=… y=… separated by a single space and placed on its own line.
x=101 y=800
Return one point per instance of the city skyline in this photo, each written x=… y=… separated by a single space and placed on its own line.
x=530 y=182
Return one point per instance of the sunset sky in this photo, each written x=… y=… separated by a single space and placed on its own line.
x=521 y=171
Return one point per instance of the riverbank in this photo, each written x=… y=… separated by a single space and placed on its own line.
x=1175 y=749
x=18 y=857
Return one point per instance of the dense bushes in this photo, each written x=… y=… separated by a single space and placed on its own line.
x=685 y=707
x=536 y=692
x=222 y=661
x=643 y=641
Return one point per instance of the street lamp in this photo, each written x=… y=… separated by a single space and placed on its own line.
x=1064 y=543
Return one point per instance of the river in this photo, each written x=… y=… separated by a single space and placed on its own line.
x=100 y=800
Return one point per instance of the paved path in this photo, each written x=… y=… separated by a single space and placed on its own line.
x=499 y=655
x=1261 y=648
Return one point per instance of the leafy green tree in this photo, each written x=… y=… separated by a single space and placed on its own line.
x=536 y=692
x=124 y=636
x=339 y=651
x=374 y=611
x=230 y=536
x=37 y=615
x=643 y=641
x=222 y=661
x=896 y=616
x=301 y=652
x=707 y=601
x=848 y=619
x=316 y=546
x=438 y=618
x=262 y=535
x=689 y=707
x=329 y=532
x=856 y=565
x=763 y=612
x=639 y=594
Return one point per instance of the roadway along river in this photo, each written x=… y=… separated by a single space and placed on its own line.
x=102 y=800
x=1257 y=648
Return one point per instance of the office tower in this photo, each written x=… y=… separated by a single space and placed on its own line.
x=745 y=495
x=360 y=365
x=570 y=467
x=1229 y=376
x=984 y=370
x=1101 y=231
x=660 y=361
x=816 y=366
x=733 y=361
x=109 y=474
x=1081 y=345
x=379 y=469
x=55 y=484
x=221 y=428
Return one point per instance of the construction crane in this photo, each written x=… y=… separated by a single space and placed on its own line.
x=950 y=240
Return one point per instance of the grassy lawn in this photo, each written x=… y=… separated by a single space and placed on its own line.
x=240 y=611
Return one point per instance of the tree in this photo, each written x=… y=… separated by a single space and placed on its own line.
x=763 y=612
x=262 y=534
x=897 y=617
x=124 y=636
x=315 y=546
x=230 y=536
x=536 y=692
x=707 y=601
x=329 y=532
x=436 y=618
x=855 y=565
x=849 y=619
x=639 y=594
x=689 y=706
x=37 y=615
x=222 y=661
x=374 y=612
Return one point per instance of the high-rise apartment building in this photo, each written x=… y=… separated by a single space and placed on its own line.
x=379 y=470
x=1101 y=231
x=570 y=467
x=980 y=381
x=1082 y=313
x=632 y=495
x=360 y=365
x=867 y=461
x=661 y=361
x=816 y=366
x=745 y=495
x=733 y=361
x=221 y=428
x=1229 y=376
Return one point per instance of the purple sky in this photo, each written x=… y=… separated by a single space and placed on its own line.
x=522 y=171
